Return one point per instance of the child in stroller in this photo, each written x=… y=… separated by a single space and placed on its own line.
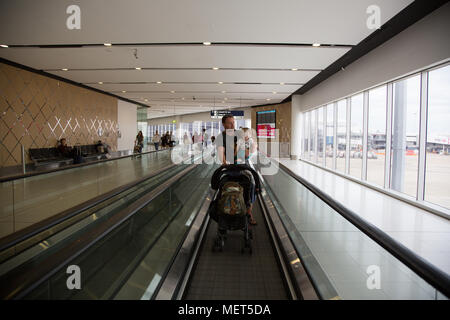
x=236 y=187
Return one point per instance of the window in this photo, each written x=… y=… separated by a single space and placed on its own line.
x=320 y=135
x=330 y=136
x=376 y=139
x=405 y=135
x=312 y=137
x=341 y=135
x=306 y=136
x=437 y=177
x=356 y=135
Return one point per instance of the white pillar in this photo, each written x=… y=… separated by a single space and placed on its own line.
x=296 y=127
x=399 y=137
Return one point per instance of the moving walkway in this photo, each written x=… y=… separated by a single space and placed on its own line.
x=154 y=241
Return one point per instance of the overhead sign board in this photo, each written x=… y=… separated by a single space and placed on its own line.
x=218 y=114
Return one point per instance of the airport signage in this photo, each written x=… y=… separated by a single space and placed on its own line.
x=265 y=124
x=218 y=114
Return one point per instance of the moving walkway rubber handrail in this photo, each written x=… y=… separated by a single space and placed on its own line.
x=180 y=266
x=30 y=277
x=437 y=278
x=72 y=166
x=28 y=232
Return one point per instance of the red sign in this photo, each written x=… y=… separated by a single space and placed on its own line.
x=266 y=130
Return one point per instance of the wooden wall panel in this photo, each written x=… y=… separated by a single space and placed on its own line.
x=36 y=111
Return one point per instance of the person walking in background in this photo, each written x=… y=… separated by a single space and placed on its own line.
x=139 y=141
x=213 y=144
x=171 y=139
x=204 y=138
x=156 y=140
x=186 y=142
x=196 y=140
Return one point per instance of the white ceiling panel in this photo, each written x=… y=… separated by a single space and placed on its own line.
x=264 y=39
x=187 y=76
x=166 y=89
x=137 y=21
x=266 y=57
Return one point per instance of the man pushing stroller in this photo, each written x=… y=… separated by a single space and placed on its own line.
x=236 y=184
x=235 y=147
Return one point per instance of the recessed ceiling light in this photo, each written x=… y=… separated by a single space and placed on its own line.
x=172 y=91
x=223 y=101
x=220 y=82
x=158 y=82
x=316 y=45
x=215 y=68
x=107 y=44
x=282 y=83
x=138 y=68
x=268 y=99
x=294 y=69
x=146 y=99
x=64 y=69
x=274 y=92
x=206 y=43
x=123 y=91
x=3 y=45
x=100 y=82
x=225 y=98
x=182 y=98
x=224 y=92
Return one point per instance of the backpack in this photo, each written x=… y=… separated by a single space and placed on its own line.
x=232 y=201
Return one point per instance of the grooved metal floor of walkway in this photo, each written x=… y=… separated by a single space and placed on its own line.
x=232 y=275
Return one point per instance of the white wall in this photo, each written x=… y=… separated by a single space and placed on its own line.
x=421 y=45
x=127 y=120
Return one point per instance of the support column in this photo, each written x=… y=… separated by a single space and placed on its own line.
x=399 y=137
x=296 y=128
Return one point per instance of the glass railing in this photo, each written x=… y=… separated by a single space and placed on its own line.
x=44 y=243
x=341 y=260
x=130 y=261
x=26 y=201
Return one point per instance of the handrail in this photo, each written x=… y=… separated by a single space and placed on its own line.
x=177 y=271
x=72 y=166
x=30 y=231
x=430 y=273
x=29 y=277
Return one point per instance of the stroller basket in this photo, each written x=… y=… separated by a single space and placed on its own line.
x=231 y=222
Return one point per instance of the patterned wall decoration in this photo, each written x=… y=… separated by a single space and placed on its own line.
x=36 y=111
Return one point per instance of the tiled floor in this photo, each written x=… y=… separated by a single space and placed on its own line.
x=345 y=253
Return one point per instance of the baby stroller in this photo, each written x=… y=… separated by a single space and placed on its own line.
x=236 y=187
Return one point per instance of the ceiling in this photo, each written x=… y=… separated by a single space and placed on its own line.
x=255 y=46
